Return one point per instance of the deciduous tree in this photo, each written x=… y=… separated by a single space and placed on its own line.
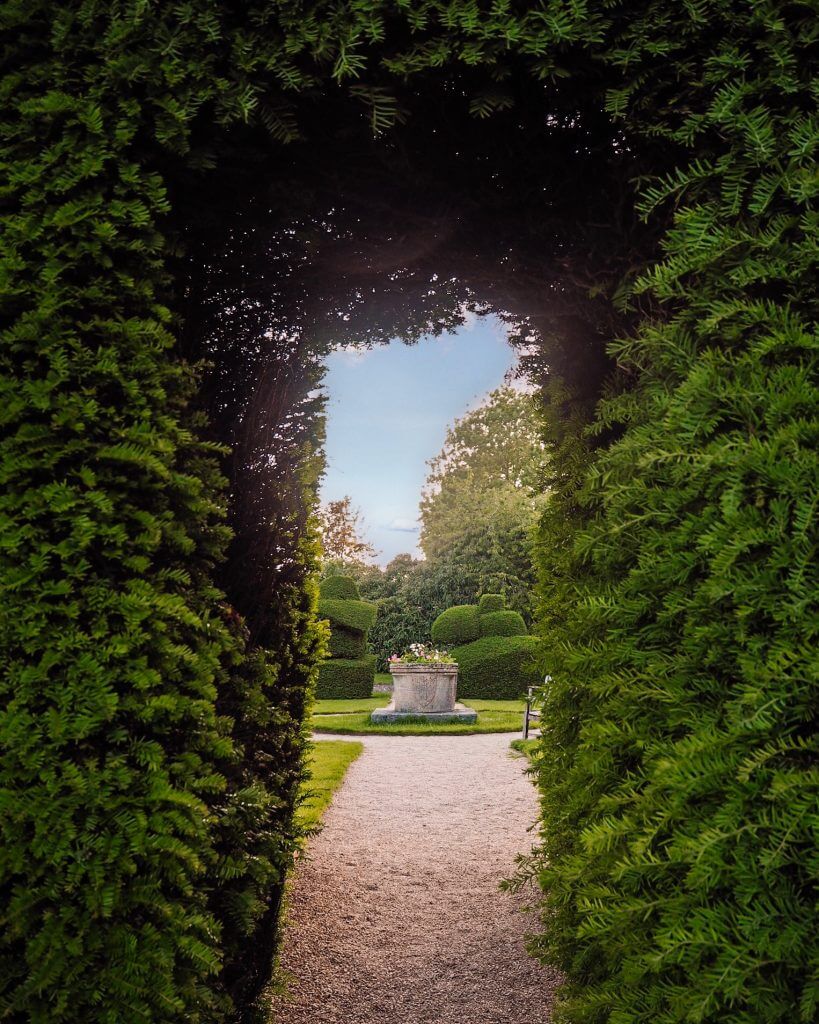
x=482 y=495
x=341 y=529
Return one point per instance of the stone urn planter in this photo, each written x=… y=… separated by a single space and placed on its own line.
x=424 y=690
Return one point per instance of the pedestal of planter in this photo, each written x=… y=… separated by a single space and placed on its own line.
x=424 y=691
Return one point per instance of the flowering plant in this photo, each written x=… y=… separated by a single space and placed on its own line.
x=423 y=654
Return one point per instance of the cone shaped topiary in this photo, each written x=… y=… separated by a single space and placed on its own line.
x=350 y=670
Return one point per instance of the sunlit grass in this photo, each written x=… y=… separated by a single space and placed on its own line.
x=351 y=705
x=528 y=747
x=497 y=705
x=328 y=763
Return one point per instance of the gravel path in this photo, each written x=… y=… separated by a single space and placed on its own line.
x=395 y=916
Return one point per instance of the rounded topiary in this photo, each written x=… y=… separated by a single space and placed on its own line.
x=457 y=625
x=349 y=671
x=492 y=648
x=496 y=667
x=504 y=623
x=491 y=603
x=344 y=588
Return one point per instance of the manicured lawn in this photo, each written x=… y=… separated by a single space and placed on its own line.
x=383 y=677
x=328 y=762
x=493 y=716
x=498 y=705
x=351 y=705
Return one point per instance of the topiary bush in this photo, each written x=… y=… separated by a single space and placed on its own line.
x=349 y=671
x=505 y=623
x=457 y=625
x=497 y=667
x=484 y=640
x=491 y=603
x=347 y=643
x=343 y=588
x=357 y=616
x=342 y=678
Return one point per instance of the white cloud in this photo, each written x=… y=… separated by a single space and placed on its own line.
x=403 y=525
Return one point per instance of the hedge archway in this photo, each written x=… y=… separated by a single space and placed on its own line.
x=178 y=182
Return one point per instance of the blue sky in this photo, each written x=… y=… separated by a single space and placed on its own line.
x=387 y=413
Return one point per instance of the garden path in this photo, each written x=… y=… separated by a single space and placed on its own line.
x=395 y=916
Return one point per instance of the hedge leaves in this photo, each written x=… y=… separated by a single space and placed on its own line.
x=150 y=737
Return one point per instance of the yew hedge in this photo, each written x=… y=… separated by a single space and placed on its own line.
x=156 y=665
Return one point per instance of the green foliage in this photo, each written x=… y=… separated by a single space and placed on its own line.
x=410 y=595
x=114 y=759
x=347 y=643
x=509 y=668
x=150 y=744
x=456 y=625
x=503 y=623
x=266 y=695
x=499 y=443
x=342 y=588
x=350 y=672
x=497 y=667
x=357 y=616
x=346 y=678
x=482 y=494
x=150 y=740
x=677 y=766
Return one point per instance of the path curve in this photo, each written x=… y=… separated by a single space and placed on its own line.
x=395 y=916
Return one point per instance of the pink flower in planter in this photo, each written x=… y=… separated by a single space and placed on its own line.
x=421 y=654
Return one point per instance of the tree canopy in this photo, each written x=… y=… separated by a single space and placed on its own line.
x=499 y=442
x=340 y=527
x=483 y=492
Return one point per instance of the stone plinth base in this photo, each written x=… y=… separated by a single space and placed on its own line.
x=459 y=713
